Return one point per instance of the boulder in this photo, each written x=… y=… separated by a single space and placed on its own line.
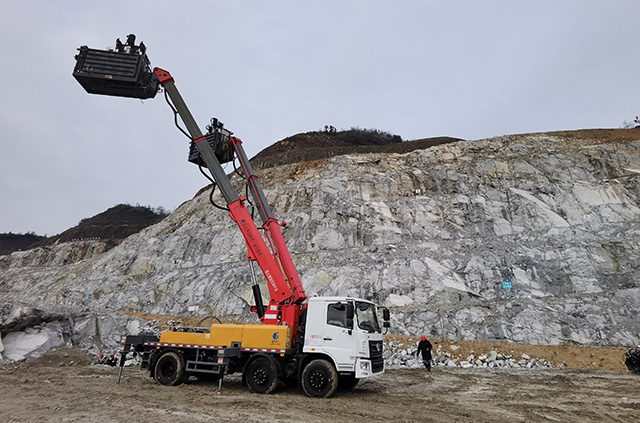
x=33 y=341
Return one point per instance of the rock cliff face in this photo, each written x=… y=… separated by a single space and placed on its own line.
x=433 y=234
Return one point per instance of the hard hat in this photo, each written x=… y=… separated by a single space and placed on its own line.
x=423 y=338
x=112 y=355
x=101 y=355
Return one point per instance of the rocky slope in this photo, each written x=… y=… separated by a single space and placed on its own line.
x=432 y=233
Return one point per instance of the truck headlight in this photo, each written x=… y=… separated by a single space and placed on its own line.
x=364 y=365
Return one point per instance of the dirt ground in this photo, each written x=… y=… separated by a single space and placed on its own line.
x=63 y=387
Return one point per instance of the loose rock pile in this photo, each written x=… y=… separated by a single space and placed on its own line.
x=398 y=356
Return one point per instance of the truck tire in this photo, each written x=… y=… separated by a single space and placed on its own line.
x=262 y=376
x=319 y=379
x=169 y=369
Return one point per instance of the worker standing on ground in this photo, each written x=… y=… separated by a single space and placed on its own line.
x=424 y=348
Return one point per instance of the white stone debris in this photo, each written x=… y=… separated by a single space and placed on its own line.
x=397 y=357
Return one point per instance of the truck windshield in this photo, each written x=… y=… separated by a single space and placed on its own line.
x=367 y=319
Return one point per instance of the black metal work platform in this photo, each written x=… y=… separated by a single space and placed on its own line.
x=121 y=74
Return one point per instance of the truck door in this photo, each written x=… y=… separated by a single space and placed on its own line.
x=338 y=336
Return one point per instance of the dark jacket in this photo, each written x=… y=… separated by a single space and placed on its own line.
x=424 y=348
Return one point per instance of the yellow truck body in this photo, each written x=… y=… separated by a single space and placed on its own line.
x=224 y=335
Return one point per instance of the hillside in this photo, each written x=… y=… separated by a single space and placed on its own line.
x=432 y=234
x=317 y=145
x=123 y=220
x=16 y=242
x=112 y=225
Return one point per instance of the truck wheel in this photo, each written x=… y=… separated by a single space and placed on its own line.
x=261 y=376
x=169 y=369
x=319 y=379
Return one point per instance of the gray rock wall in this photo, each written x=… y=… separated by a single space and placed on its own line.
x=433 y=234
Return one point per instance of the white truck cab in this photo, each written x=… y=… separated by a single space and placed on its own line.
x=348 y=331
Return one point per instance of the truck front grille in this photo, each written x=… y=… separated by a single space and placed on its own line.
x=375 y=353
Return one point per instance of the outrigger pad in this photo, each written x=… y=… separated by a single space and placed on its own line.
x=124 y=71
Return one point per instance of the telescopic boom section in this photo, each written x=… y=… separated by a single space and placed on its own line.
x=285 y=287
x=271 y=225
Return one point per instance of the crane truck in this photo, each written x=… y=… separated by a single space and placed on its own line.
x=318 y=343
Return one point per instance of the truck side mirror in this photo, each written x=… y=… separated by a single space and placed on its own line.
x=350 y=314
x=386 y=315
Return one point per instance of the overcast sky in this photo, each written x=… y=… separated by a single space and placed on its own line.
x=270 y=69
